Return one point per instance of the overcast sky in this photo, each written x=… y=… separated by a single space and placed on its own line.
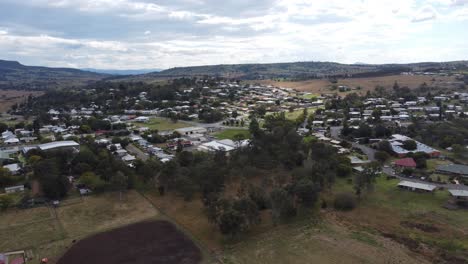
x=136 y=34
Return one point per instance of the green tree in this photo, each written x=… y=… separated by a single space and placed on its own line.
x=282 y=205
x=231 y=222
x=5 y=202
x=307 y=192
x=92 y=181
x=409 y=145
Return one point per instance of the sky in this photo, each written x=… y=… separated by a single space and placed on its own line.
x=139 y=34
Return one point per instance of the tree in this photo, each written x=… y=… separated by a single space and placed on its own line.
x=231 y=222
x=120 y=182
x=249 y=210
x=5 y=202
x=5 y=177
x=92 y=181
x=459 y=151
x=344 y=202
x=382 y=156
x=365 y=179
x=3 y=127
x=409 y=144
x=307 y=192
x=282 y=205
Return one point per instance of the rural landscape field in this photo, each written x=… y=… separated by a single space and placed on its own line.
x=233 y=132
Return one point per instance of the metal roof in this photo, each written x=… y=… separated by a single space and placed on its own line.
x=459 y=193
x=417 y=185
x=454 y=168
x=58 y=144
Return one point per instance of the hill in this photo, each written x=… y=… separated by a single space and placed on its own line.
x=122 y=72
x=302 y=70
x=14 y=75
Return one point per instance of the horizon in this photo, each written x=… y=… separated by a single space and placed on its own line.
x=143 y=34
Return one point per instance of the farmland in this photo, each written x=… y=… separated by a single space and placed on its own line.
x=146 y=242
x=367 y=84
x=49 y=232
x=8 y=98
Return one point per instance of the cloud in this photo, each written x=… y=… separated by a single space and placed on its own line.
x=425 y=14
x=168 y=33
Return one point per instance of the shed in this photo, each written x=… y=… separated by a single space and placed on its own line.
x=417 y=186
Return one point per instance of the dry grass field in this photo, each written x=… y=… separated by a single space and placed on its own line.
x=323 y=86
x=10 y=97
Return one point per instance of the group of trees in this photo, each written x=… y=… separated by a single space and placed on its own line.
x=97 y=168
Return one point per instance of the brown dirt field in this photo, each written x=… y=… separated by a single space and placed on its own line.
x=157 y=242
x=322 y=86
x=10 y=97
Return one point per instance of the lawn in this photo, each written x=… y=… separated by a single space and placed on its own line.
x=231 y=133
x=48 y=232
x=163 y=124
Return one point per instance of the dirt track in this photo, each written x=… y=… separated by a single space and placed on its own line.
x=156 y=242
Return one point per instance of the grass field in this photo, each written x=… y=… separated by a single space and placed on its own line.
x=10 y=97
x=48 y=232
x=387 y=207
x=323 y=86
x=163 y=124
x=231 y=133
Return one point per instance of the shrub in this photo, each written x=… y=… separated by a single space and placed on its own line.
x=344 y=202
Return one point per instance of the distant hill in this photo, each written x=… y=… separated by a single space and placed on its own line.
x=14 y=75
x=122 y=72
x=300 y=70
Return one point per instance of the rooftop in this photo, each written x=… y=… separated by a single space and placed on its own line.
x=454 y=168
x=58 y=144
x=417 y=185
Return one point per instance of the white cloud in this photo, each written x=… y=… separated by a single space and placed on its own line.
x=194 y=32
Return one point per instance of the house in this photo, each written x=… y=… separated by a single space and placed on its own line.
x=405 y=163
x=453 y=169
x=14 y=189
x=13 y=168
x=4 y=156
x=142 y=119
x=416 y=186
x=128 y=158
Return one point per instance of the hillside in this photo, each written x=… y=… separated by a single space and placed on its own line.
x=301 y=70
x=14 y=75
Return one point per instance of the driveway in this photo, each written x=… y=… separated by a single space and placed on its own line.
x=137 y=152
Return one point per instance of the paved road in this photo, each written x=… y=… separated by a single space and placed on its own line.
x=137 y=152
x=335 y=133
x=389 y=171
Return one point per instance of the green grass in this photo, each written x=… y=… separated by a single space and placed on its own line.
x=386 y=194
x=231 y=133
x=309 y=96
x=162 y=124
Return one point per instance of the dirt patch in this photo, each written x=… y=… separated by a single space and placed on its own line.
x=423 y=227
x=147 y=242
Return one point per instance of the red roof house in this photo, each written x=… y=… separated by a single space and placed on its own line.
x=406 y=162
